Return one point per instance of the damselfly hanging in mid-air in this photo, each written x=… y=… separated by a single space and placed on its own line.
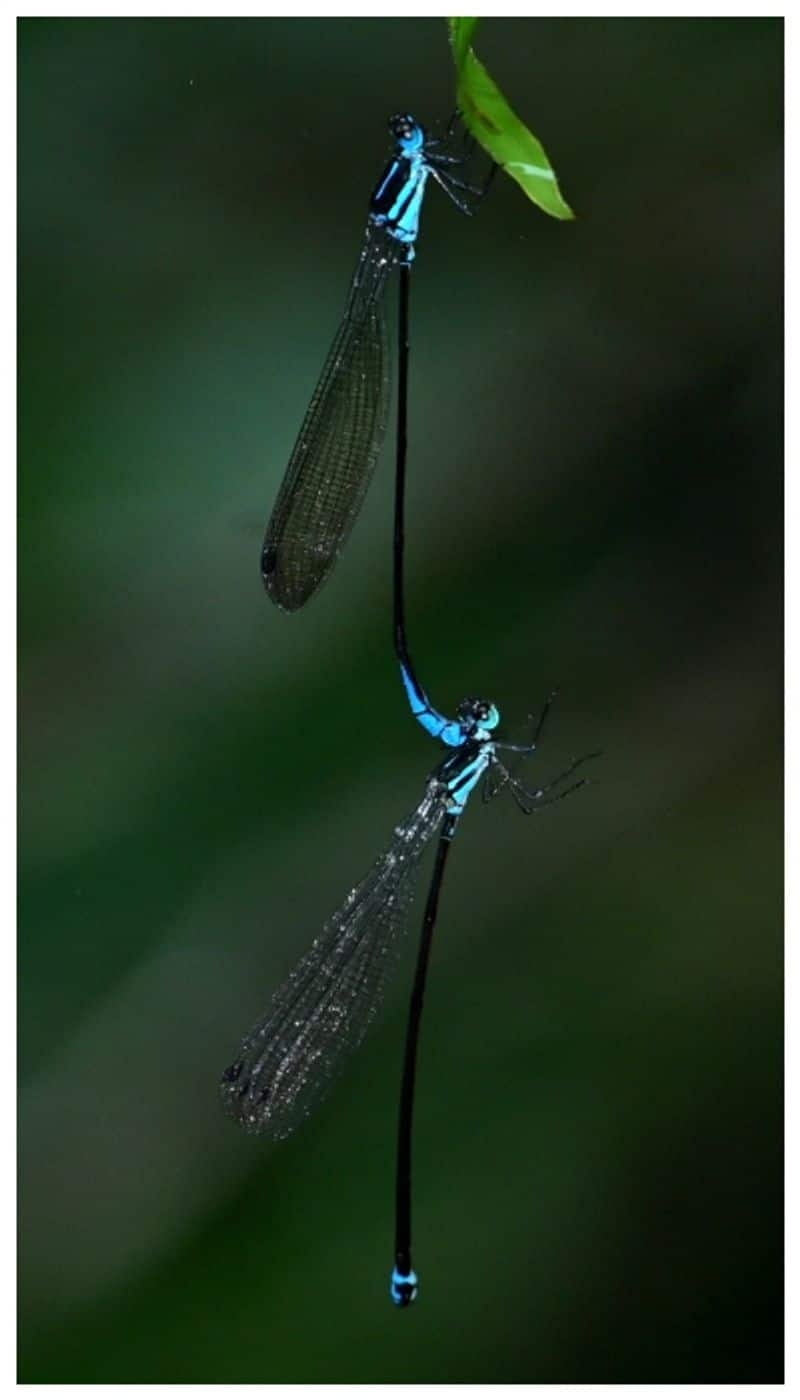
x=338 y=444
x=322 y=1012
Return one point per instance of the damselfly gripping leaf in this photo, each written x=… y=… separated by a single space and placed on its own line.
x=337 y=447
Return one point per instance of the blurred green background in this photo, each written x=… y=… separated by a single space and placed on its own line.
x=595 y=503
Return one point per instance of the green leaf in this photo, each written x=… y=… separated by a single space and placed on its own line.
x=461 y=31
x=488 y=116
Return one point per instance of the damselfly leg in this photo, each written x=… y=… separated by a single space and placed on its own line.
x=459 y=203
x=536 y=730
x=499 y=776
x=449 y=183
x=533 y=801
x=445 y=178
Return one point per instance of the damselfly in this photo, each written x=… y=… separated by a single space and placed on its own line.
x=322 y=1012
x=338 y=444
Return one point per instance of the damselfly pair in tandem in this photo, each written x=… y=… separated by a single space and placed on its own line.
x=323 y=1010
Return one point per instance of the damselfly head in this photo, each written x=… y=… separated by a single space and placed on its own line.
x=408 y=134
x=477 y=714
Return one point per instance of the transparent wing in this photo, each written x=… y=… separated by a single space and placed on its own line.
x=334 y=457
x=322 y=1011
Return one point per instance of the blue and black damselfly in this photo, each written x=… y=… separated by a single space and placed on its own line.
x=337 y=447
x=323 y=1010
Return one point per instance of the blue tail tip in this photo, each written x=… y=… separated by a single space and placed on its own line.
x=404 y=1287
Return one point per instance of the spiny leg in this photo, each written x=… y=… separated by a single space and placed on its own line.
x=440 y=158
x=459 y=203
x=461 y=184
x=522 y=750
x=490 y=789
x=489 y=178
x=537 y=731
x=536 y=805
x=554 y=782
x=469 y=146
